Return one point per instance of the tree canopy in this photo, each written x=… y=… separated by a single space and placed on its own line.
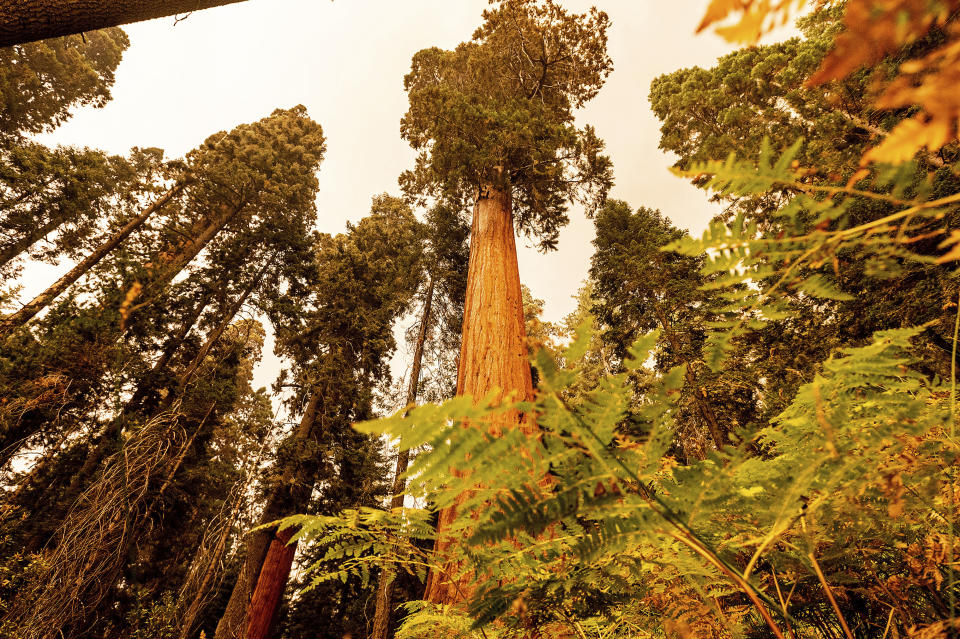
x=498 y=110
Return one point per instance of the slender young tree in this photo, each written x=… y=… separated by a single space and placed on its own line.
x=381 y=615
x=493 y=121
x=37 y=304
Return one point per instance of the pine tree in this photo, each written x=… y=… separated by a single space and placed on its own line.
x=263 y=171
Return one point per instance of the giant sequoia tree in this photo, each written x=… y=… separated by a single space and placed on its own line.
x=493 y=121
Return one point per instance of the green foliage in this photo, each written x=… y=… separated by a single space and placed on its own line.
x=629 y=526
x=814 y=231
x=41 y=81
x=498 y=110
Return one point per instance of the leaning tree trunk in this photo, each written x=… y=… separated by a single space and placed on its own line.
x=381 y=614
x=290 y=492
x=40 y=302
x=264 y=606
x=493 y=353
x=14 y=249
x=28 y=20
x=185 y=254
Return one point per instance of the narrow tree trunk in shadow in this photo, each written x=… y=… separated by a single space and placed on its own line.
x=381 y=614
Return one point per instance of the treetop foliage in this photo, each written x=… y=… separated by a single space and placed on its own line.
x=270 y=163
x=498 y=111
x=41 y=81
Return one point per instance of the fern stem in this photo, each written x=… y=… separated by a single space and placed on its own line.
x=687 y=535
x=826 y=588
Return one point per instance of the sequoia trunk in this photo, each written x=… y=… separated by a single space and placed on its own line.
x=291 y=493
x=28 y=20
x=493 y=353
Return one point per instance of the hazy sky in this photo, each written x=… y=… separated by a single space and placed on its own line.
x=345 y=61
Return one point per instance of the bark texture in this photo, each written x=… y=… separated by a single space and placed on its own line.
x=40 y=302
x=284 y=499
x=28 y=20
x=381 y=614
x=493 y=354
x=265 y=603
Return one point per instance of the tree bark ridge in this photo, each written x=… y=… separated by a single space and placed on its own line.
x=28 y=20
x=493 y=353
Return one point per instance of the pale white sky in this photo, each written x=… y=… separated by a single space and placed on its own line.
x=345 y=61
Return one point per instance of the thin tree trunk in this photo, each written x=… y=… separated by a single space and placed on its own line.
x=381 y=614
x=233 y=624
x=493 y=353
x=42 y=300
x=150 y=380
x=179 y=261
x=225 y=322
x=11 y=252
x=703 y=406
x=28 y=20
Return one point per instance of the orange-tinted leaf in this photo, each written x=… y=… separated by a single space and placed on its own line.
x=756 y=17
x=908 y=137
x=718 y=10
x=874 y=28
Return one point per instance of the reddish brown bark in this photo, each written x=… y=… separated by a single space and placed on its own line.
x=493 y=354
x=27 y=20
x=265 y=603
